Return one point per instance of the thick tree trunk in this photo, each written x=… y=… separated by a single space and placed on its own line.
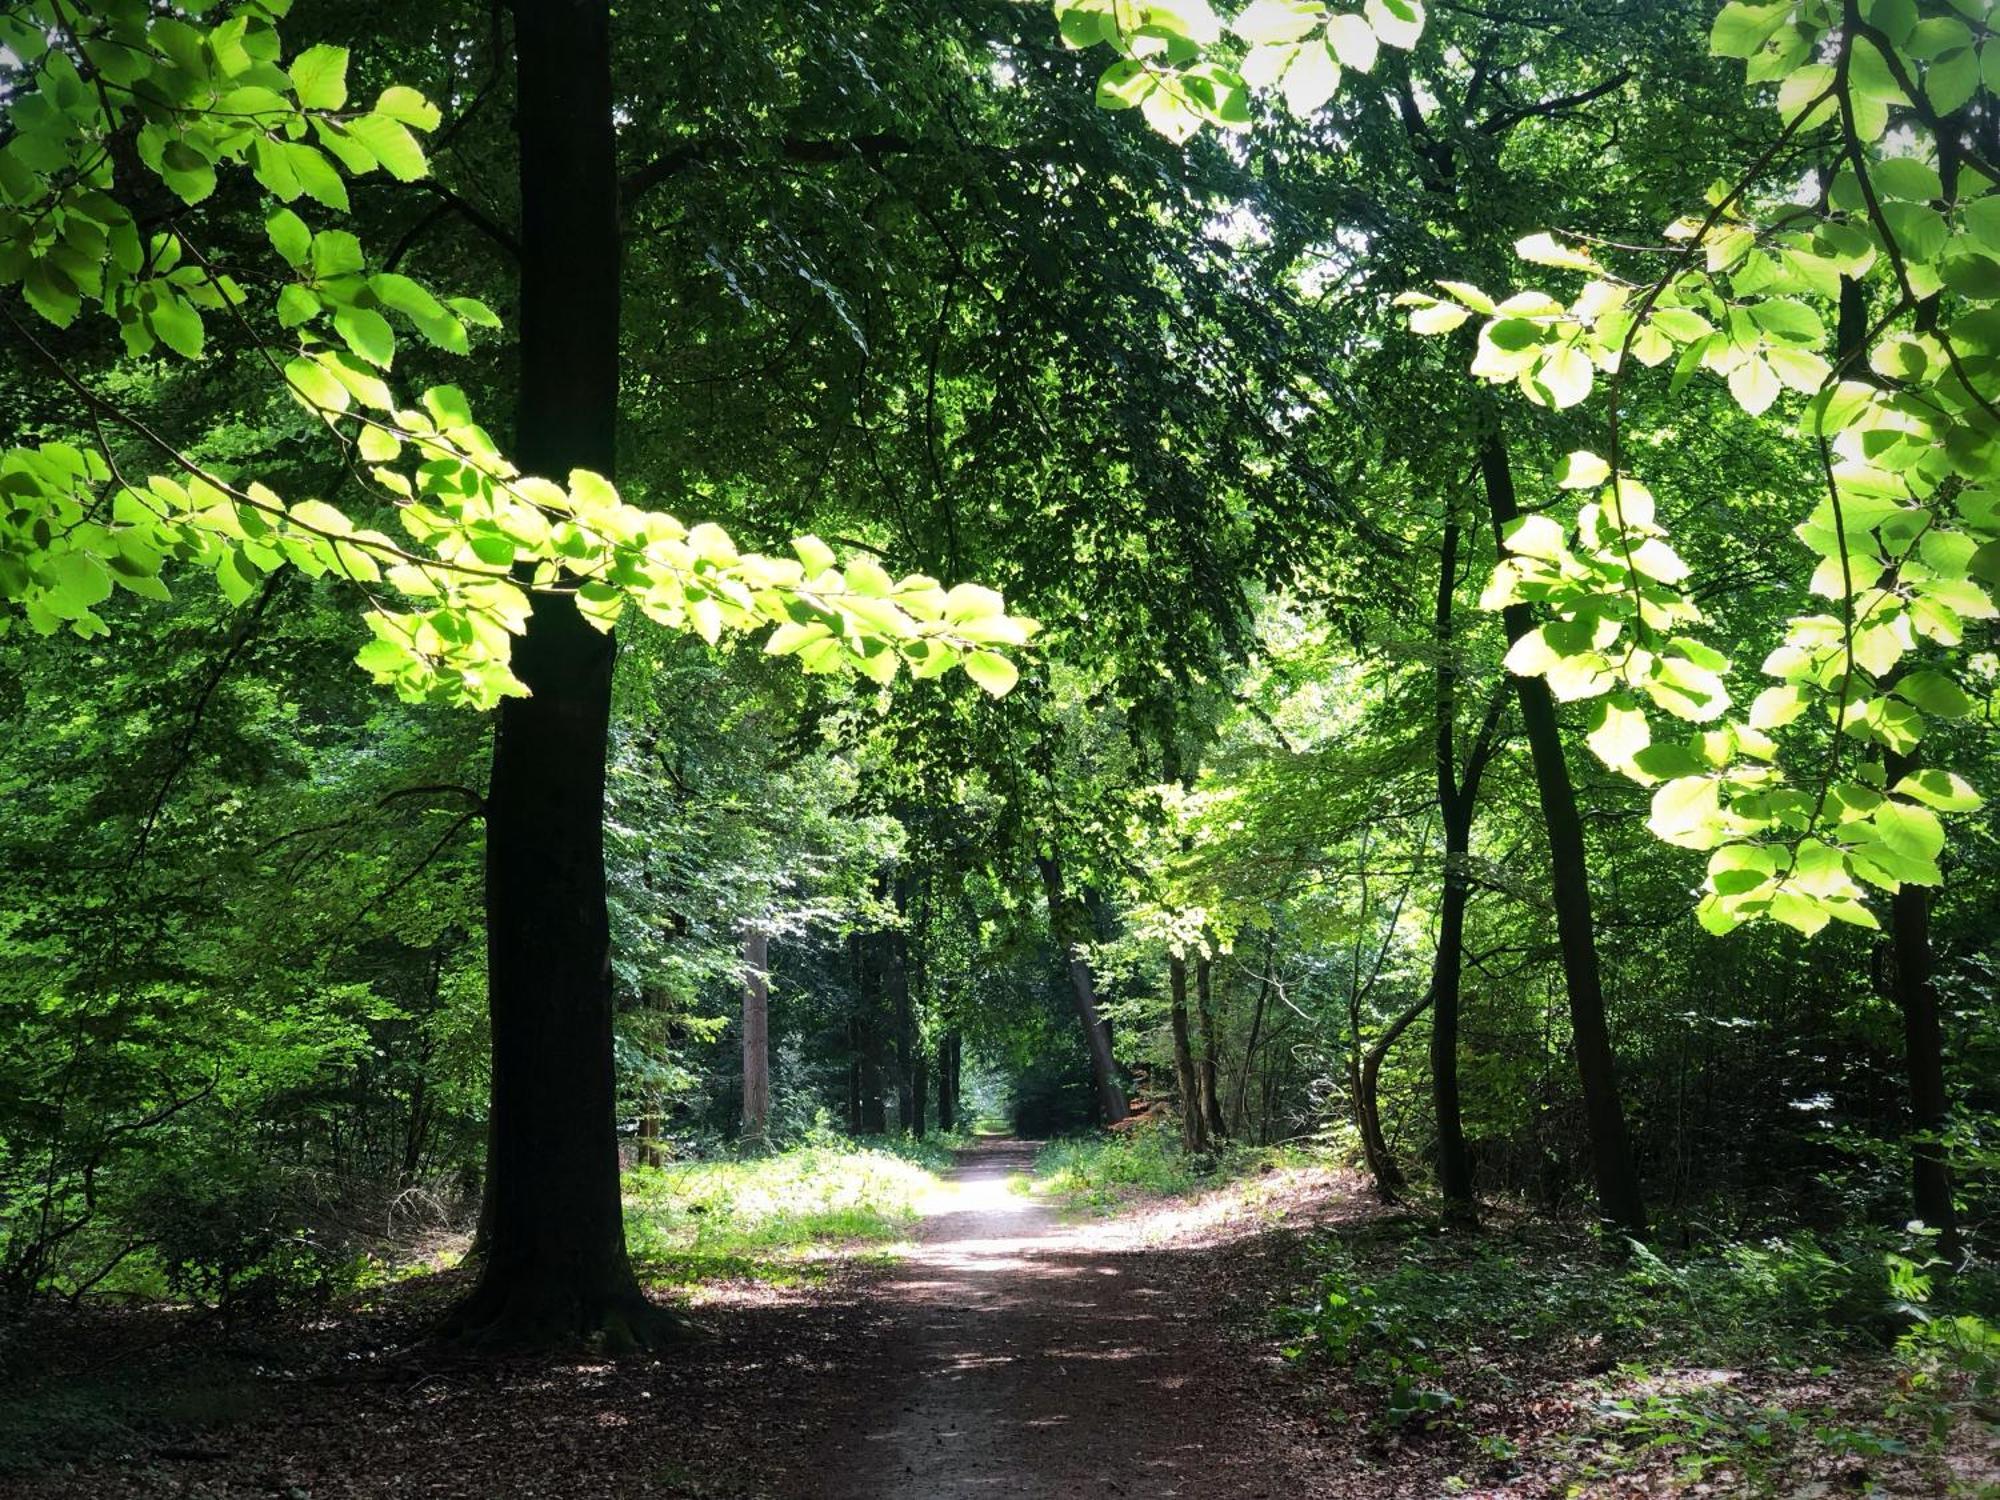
x=1209 y=1067
x=1194 y=1125
x=756 y=1041
x=1923 y=1045
x=1111 y=1105
x=555 y=1267
x=1619 y=1202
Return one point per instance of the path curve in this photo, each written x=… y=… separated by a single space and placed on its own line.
x=1011 y=1354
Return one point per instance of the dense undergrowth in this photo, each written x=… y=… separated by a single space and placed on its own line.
x=1748 y=1365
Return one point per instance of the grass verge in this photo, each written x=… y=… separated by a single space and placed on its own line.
x=777 y=1217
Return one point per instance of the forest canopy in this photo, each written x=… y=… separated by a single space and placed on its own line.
x=590 y=595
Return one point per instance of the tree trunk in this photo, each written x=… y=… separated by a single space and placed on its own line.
x=1923 y=1045
x=896 y=974
x=555 y=1267
x=947 y=1080
x=756 y=1041
x=1209 y=1068
x=1103 y=1068
x=1457 y=798
x=853 y=1076
x=1194 y=1124
x=1368 y=1108
x=1619 y=1202
x=1256 y=1032
x=1454 y=1168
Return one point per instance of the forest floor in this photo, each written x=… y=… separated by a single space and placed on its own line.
x=1016 y=1348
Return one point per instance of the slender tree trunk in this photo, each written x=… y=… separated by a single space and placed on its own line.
x=1923 y=1045
x=853 y=1076
x=906 y=1031
x=1618 y=1197
x=947 y=1079
x=1209 y=1067
x=1454 y=1168
x=1111 y=1106
x=555 y=1267
x=1256 y=1033
x=1194 y=1124
x=1375 y=1147
x=756 y=1040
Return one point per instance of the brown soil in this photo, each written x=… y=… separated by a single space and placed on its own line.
x=1013 y=1355
x=1009 y=1355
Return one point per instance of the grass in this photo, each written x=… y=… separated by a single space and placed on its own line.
x=776 y=1217
x=1106 y=1170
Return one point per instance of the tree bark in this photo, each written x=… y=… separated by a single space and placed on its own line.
x=1923 y=1045
x=1457 y=798
x=1194 y=1124
x=1619 y=1201
x=1111 y=1106
x=555 y=1267
x=756 y=1041
x=1209 y=1067
x=947 y=1081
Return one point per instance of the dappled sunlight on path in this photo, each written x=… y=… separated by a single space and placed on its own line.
x=1013 y=1354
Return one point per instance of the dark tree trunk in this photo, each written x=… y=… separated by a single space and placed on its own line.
x=1256 y=1033
x=1097 y=1036
x=756 y=1041
x=1454 y=1168
x=920 y=1092
x=896 y=973
x=555 y=1267
x=1619 y=1202
x=1457 y=797
x=1923 y=1045
x=947 y=1080
x=1194 y=1124
x=1210 y=1067
x=853 y=1076
x=1367 y=1091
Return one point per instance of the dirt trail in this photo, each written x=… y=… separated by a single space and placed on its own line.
x=1011 y=1354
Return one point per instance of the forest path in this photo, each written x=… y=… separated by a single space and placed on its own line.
x=1013 y=1354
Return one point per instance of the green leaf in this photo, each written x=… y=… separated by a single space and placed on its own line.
x=1905 y=177
x=1934 y=693
x=319 y=77
x=289 y=237
x=408 y=106
x=391 y=144
x=318 y=177
x=992 y=671
x=1742 y=29
x=1943 y=790
x=1563 y=379
x=177 y=324
x=1124 y=84
x=1687 y=811
x=189 y=174
x=1267 y=21
x=367 y=333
